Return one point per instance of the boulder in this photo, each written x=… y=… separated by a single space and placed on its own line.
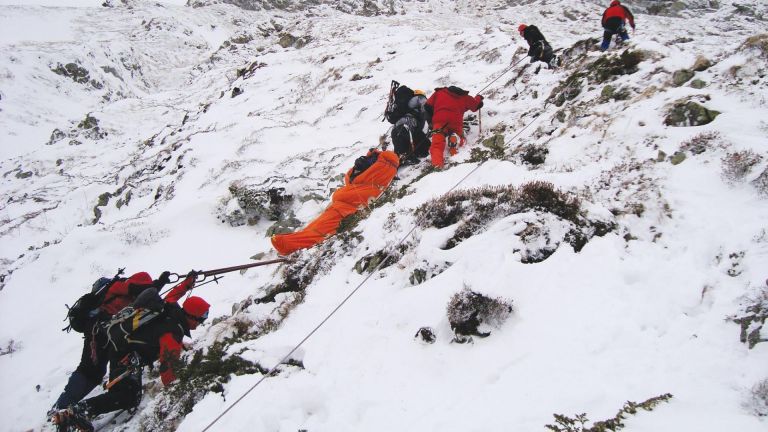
x=698 y=84
x=682 y=76
x=701 y=64
x=689 y=113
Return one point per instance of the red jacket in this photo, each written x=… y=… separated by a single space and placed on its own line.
x=122 y=293
x=617 y=10
x=449 y=105
x=170 y=341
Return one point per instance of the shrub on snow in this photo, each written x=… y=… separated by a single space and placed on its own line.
x=467 y=310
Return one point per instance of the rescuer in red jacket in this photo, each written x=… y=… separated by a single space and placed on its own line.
x=158 y=339
x=449 y=105
x=614 y=19
x=94 y=357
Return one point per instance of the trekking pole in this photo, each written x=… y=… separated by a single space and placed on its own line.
x=480 y=123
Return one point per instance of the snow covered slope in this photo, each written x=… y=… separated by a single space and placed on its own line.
x=150 y=135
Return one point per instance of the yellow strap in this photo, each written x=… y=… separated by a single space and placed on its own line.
x=136 y=323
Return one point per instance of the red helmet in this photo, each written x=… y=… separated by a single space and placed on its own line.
x=521 y=28
x=615 y=3
x=196 y=307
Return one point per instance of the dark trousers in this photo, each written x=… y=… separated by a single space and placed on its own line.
x=89 y=373
x=126 y=394
x=410 y=143
x=613 y=26
x=541 y=51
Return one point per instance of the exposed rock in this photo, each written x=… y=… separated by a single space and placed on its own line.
x=681 y=76
x=237 y=91
x=73 y=71
x=601 y=70
x=56 y=136
x=701 y=64
x=495 y=142
x=252 y=204
x=661 y=157
x=698 y=84
x=607 y=92
x=677 y=158
x=287 y=40
x=89 y=128
x=688 y=113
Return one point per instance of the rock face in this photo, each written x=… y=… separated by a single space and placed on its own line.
x=689 y=113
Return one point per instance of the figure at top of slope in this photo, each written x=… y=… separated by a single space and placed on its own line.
x=614 y=19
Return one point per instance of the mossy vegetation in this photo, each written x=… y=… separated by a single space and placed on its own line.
x=578 y=422
x=473 y=209
x=206 y=371
x=599 y=71
x=737 y=165
x=752 y=319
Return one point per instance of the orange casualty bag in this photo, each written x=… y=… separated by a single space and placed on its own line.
x=362 y=185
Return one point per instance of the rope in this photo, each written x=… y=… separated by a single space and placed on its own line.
x=502 y=74
x=360 y=285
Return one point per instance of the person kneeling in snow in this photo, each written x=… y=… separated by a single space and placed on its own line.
x=158 y=339
x=449 y=105
x=363 y=183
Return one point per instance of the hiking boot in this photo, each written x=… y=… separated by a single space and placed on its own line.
x=74 y=417
x=453 y=143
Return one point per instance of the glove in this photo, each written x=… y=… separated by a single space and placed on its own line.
x=165 y=278
x=192 y=274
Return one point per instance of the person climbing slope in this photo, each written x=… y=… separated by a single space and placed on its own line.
x=538 y=47
x=449 y=105
x=157 y=339
x=114 y=295
x=614 y=19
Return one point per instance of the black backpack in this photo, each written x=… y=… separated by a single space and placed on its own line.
x=86 y=309
x=363 y=163
x=117 y=331
x=397 y=104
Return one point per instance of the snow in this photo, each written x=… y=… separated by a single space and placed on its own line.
x=637 y=313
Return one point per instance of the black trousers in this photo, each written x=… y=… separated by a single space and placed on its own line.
x=126 y=394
